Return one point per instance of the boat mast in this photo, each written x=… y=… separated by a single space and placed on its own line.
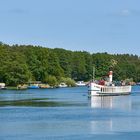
x=93 y=74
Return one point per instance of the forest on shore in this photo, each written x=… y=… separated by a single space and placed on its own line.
x=24 y=63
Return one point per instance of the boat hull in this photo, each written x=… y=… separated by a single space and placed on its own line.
x=92 y=93
x=33 y=87
x=98 y=90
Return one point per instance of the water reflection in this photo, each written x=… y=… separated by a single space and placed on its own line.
x=36 y=102
x=113 y=116
x=39 y=102
x=111 y=102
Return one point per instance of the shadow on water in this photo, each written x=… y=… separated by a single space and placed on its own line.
x=38 y=102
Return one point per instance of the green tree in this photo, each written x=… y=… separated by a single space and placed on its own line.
x=51 y=80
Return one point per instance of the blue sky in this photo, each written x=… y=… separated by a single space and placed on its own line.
x=111 y=26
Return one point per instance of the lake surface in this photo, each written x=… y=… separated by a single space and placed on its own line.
x=68 y=114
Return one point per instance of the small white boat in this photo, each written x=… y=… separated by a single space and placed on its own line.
x=80 y=83
x=102 y=90
x=62 y=85
x=2 y=86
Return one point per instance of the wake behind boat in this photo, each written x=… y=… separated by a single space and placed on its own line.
x=108 y=88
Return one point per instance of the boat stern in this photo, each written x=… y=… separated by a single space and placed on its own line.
x=94 y=89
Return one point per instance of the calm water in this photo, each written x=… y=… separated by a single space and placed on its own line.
x=68 y=114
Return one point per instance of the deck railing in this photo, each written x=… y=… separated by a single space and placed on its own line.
x=115 y=89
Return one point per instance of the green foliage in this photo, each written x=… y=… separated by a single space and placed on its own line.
x=13 y=68
x=54 y=67
x=68 y=81
x=52 y=81
x=20 y=64
x=78 y=65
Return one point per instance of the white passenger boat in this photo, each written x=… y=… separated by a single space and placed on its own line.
x=110 y=89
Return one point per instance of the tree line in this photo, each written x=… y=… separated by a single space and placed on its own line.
x=24 y=63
